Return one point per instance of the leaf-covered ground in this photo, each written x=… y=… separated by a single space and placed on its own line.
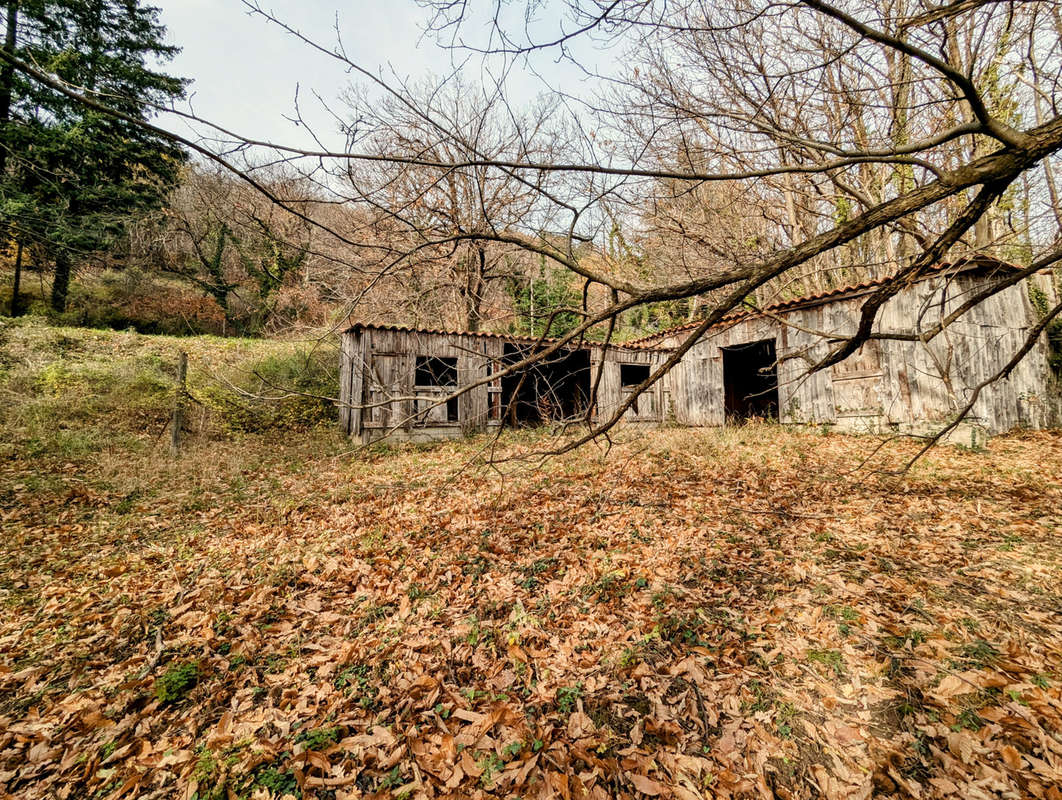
x=699 y=614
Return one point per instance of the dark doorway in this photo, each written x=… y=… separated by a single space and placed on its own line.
x=750 y=381
x=557 y=388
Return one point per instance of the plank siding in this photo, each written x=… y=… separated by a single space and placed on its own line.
x=653 y=404
x=886 y=385
x=378 y=374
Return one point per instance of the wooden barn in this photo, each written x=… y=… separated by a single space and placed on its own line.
x=398 y=381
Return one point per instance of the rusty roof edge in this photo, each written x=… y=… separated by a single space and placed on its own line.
x=505 y=337
x=388 y=326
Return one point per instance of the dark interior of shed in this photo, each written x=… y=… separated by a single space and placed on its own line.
x=437 y=372
x=750 y=381
x=632 y=376
x=557 y=388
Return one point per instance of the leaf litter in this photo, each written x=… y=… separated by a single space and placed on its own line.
x=701 y=614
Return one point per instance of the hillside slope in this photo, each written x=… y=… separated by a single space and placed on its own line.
x=695 y=613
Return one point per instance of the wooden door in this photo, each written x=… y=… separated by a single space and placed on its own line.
x=385 y=386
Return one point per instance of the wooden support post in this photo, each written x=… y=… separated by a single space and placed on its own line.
x=16 y=301
x=178 y=401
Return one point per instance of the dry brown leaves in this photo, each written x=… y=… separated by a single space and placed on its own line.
x=713 y=614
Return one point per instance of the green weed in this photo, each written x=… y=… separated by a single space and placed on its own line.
x=568 y=697
x=830 y=658
x=979 y=654
x=176 y=682
x=318 y=738
x=491 y=765
x=278 y=782
x=914 y=637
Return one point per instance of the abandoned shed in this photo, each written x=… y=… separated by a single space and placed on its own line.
x=755 y=364
x=397 y=380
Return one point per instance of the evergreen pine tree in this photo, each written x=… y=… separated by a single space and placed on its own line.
x=74 y=178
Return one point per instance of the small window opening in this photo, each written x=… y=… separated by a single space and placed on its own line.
x=451 y=410
x=632 y=375
x=436 y=371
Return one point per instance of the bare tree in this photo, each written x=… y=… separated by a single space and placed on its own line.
x=240 y=249
x=443 y=228
x=871 y=136
x=830 y=123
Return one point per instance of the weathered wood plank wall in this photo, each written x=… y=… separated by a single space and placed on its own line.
x=928 y=382
x=378 y=392
x=886 y=385
x=653 y=405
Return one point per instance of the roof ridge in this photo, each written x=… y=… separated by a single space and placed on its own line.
x=389 y=326
x=508 y=337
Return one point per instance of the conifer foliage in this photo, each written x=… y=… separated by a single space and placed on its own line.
x=71 y=179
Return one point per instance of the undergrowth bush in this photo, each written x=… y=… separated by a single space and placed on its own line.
x=74 y=392
x=282 y=392
x=132 y=299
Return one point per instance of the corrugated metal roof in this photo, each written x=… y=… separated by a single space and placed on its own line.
x=441 y=332
x=505 y=337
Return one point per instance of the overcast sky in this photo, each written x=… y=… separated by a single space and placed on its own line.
x=245 y=70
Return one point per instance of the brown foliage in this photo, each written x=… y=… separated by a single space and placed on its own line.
x=705 y=614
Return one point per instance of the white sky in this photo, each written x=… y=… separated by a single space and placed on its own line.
x=245 y=70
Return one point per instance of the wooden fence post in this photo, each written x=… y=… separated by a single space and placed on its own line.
x=178 y=401
x=16 y=301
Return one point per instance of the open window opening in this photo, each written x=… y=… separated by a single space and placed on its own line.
x=632 y=376
x=557 y=388
x=750 y=381
x=438 y=372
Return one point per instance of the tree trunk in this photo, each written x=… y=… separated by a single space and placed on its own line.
x=474 y=298
x=7 y=77
x=16 y=304
x=982 y=232
x=61 y=282
x=95 y=46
